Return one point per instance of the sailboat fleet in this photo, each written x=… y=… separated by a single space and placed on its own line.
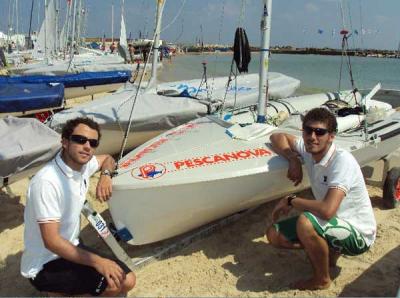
x=200 y=153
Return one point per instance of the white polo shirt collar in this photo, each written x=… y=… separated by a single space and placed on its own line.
x=327 y=157
x=67 y=170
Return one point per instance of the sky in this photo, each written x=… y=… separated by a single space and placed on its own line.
x=299 y=23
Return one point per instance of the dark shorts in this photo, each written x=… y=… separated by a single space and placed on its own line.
x=63 y=276
x=341 y=236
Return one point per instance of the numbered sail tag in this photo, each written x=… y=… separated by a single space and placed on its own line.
x=100 y=225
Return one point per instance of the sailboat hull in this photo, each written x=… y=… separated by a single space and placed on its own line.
x=175 y=209
x=196 y=173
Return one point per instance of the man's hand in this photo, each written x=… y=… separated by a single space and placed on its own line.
x=295 y=170
x=111 y=271
x=104 y=188
x=282 y=208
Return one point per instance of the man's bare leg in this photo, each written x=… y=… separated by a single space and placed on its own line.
x=317 y=251
x=333 y=257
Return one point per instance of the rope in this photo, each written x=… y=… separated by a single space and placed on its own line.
x=219 y=42
x=176 y=16
x=242 y=13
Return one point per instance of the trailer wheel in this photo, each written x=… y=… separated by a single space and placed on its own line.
x=391 y=188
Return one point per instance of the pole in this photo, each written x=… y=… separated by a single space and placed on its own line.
x=264 y=60
x=156 y=41
x=112 y=21
x=30 y=27
x=71 y=52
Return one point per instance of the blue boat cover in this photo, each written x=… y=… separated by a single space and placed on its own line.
x=72 y=80
x=27 y=97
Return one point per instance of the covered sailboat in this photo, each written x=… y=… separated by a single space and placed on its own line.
x=19 y=98
x=76 y=85
x=25 y=145
x=210 y=168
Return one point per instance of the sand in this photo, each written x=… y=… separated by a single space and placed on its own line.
x=235 y=260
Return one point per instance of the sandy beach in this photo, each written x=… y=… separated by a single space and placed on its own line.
x=235 y=260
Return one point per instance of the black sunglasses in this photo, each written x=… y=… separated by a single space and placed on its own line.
x=82 y=140
x=318 y=131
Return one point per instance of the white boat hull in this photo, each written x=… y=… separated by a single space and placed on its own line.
x=195 y=174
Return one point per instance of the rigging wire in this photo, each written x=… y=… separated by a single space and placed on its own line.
x=138 y=89
x=219 y=42
x=176 y=16
x=234 y=70
x=180 y=33
x=345 y=58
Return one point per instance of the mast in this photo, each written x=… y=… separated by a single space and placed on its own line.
x=72 y=50
x=112 y=21
x=160 y=6
x=46 y=54
x=264 y=60
x=29 y=44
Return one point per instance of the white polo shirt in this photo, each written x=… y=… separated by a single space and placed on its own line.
x=339 y=169
x=55 y=194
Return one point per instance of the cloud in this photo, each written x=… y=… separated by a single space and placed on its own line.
x=311 y=7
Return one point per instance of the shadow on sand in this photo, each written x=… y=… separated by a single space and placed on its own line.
x=386 y=276
x=11 y=211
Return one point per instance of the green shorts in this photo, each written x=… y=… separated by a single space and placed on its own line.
x=341 y=236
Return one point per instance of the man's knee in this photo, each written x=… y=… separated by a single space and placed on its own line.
x=127 y=285
x=129 y=282
x=305 y=228
x=272 y=236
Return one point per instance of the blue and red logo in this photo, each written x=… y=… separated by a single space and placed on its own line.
x=149 y=171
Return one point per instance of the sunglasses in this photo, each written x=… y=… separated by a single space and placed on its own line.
x=81 y=140
x=318 y=131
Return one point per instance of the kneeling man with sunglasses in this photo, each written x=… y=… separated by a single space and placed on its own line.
x=53 y=259
x=340 y=220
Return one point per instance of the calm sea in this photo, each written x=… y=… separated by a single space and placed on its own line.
x=316 y=73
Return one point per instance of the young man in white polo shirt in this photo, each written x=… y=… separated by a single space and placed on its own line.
x=340 y=220
x=53 y=259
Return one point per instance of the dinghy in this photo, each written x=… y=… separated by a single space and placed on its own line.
x=210 y=168
x=198 y=172
x=25 y=145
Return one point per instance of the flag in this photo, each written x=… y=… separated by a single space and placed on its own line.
x=320 y=31
x=69 y=2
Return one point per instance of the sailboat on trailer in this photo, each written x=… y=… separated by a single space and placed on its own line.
x=209 y=168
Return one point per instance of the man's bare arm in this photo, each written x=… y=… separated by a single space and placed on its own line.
x=285 y=145
x=104 y=186
x=325 y=208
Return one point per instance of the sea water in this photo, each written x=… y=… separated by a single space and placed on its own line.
x=317 y=73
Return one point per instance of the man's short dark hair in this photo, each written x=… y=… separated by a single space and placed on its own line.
x=70 y=125
x=322 y=115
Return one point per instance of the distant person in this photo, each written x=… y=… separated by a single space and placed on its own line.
x=131 y=50
x=112 y=47
x=146 y=52
x=54 y=260
x=340 y=220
